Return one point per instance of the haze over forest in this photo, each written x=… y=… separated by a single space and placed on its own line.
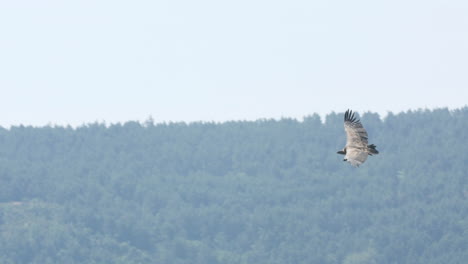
x=266 y=191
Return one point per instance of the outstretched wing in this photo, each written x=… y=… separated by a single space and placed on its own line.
x=356 y=140
x=356 y=135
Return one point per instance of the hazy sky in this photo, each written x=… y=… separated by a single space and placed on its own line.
x=74 y=62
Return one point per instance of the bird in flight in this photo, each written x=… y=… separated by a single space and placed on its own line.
x=356 y=149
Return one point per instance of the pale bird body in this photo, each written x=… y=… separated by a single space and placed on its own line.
x=357 y=148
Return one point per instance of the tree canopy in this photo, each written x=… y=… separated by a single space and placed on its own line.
x=265 y=191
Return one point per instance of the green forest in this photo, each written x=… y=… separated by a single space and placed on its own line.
x=266 y=191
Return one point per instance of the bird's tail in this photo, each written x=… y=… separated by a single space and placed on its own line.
x=372 y=150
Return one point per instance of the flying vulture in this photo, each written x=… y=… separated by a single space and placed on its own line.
x=356 y=149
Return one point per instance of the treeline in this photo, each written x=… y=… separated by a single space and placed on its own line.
x=268 y=191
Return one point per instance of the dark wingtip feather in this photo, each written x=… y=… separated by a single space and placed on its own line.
x=350 y=116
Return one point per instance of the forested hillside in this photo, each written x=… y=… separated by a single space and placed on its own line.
x=269 y=191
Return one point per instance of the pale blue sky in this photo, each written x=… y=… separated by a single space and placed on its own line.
x=74 y=62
